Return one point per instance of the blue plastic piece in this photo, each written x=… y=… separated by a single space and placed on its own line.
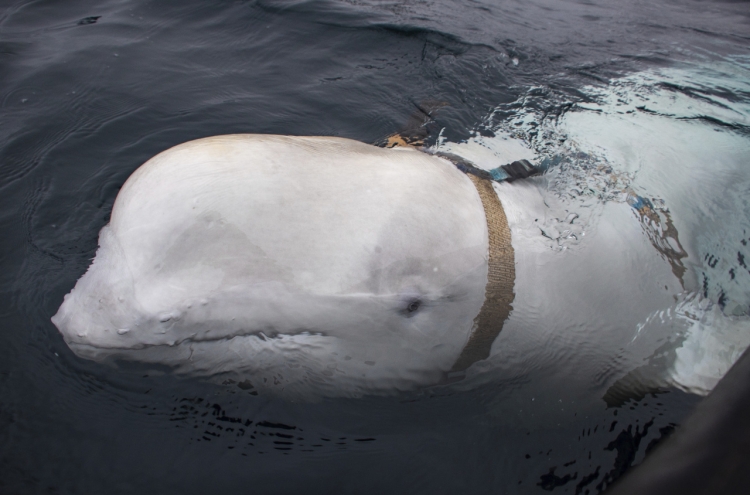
x=498 y=174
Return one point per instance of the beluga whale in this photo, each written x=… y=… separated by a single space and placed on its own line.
x=300 y=265
x=310 y=267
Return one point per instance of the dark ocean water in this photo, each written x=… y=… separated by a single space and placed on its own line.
x=91 y=90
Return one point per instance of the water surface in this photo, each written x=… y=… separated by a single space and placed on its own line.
x=626 y=100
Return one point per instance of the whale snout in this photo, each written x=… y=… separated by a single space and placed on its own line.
x=88 y=323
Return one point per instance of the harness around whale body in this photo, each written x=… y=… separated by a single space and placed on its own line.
x=501 y=271
x=499 y=294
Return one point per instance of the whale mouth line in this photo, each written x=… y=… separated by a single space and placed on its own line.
x=261 y=335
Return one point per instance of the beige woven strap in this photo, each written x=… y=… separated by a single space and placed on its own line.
x=501 y=276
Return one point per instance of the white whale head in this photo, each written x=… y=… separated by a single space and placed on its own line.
x=317 y=265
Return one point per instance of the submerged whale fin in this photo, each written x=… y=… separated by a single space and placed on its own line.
x=637 y=384
x=650 y=378
x=657 y=224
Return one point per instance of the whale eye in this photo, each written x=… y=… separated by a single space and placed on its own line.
x=412 y=306
x=410 y=303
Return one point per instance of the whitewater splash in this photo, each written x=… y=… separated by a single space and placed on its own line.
x=670 y=147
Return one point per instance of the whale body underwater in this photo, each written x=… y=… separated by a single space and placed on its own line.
x=318 y=266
